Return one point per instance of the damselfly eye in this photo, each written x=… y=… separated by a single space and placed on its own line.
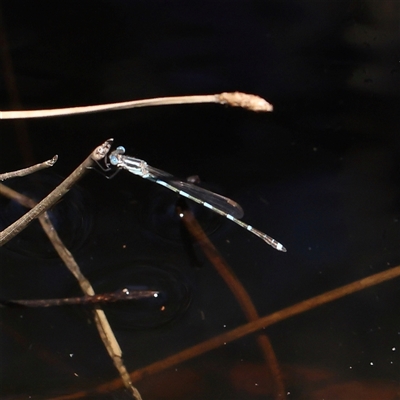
x=113 y=159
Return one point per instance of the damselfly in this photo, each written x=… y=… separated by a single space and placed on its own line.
x=215 y=202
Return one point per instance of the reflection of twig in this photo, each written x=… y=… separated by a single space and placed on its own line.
x=102 y=324
x=120 y=295
x=240 y=294
x=244 y=330
x=235 y=99
x=29 y=170
x=98 y=154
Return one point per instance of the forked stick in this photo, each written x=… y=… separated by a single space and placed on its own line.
x=97 y=154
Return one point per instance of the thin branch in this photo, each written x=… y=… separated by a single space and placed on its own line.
x=240 y=294
x=99 y=153
x=235 y=99
x=243 y=331
x=29 y=170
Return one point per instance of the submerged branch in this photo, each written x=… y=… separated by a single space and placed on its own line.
x=120 y=295
x=240 y=294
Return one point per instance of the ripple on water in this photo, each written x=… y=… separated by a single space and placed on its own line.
x=172 y=301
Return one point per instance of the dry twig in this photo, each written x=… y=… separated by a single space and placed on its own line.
x=29 y=170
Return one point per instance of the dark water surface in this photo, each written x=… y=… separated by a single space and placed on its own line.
x=321 y=175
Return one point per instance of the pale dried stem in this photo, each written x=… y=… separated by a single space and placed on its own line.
x=235 y=99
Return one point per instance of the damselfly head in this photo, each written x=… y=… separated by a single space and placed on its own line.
x=115 y=155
